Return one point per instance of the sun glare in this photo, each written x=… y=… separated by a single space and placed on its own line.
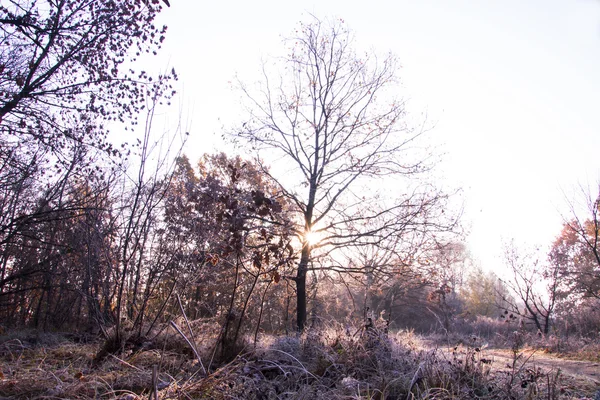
x=313 y=238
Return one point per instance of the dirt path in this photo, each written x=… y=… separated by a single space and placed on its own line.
x=587 y=370
x=579 y=374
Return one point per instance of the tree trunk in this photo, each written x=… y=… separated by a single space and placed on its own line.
x=301 y=288
x=546 y=323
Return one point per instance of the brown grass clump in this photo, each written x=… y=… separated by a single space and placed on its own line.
x=60 y=368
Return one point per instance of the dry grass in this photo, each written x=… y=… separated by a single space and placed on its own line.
x=55 y=368
x=574 y=348
x=334 y=363
x=499 y=334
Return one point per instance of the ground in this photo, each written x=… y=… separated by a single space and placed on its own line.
x=327 y=365
x=585 y=373
x=580 y=374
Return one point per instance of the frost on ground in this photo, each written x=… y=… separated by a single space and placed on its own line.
x=327 y=364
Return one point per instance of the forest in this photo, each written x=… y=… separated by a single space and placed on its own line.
x=319 y=260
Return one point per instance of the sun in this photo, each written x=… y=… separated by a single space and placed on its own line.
x=313 y=237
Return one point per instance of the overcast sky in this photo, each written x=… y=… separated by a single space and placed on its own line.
x=512 y=87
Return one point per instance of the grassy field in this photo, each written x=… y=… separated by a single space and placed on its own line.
x=333 y=363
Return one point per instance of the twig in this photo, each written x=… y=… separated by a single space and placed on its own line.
x=191 y=332
x=126 y=363
x=154 y=392
x=174 y=325
x=414 y=380
x=187 y=322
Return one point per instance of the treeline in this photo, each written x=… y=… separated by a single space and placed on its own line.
x=73 y=216
x=100 y=237
x=97 y=235
x=113 y=250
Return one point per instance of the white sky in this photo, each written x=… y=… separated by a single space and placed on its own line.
x=513 y=87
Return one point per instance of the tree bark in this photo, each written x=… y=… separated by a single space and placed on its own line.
x=301 y=287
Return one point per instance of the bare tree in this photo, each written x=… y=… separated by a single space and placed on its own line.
x=577 y=248
x=535 y=285
x=332 y=121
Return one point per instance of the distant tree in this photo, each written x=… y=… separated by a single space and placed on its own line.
x=371 y=276
x=53 y=271
x=579 y=315
x=577 y=249
x=535 y=285
x=484 y=294
x=449 y=262
x=332 y=121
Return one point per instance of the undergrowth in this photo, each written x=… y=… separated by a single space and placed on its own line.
x=334 y=363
